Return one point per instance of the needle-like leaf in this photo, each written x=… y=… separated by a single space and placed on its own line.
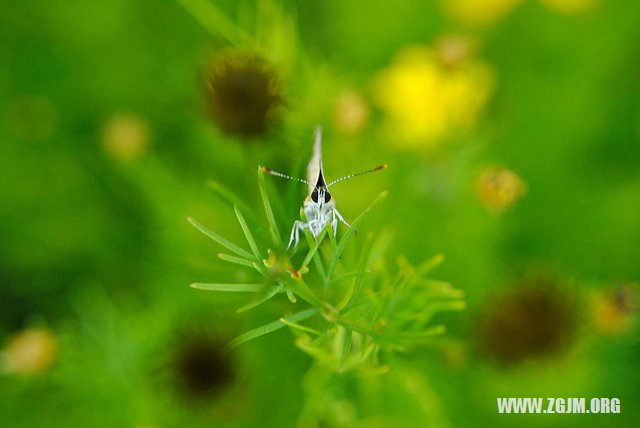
x=364 y=260
x=269 y=328
x=348 y=275
x=291 y=296
x=247 y=232
x=220 y=240
x=272 y=292
x=238 y=288
x=236 y=260
x=349 y=233
x=273 y=227
x=317 y=260
x=429 y=265
x=301 y=327
x=346 y=349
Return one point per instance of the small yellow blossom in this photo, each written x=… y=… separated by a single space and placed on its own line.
x=125 y=137
x=499 y=188
x=30 y=352
x=351 y=113
x=571 y=7
x=426 y=99
x=479 y=12
x=614 y=311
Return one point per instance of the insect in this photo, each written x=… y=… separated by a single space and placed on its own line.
x=319 y=206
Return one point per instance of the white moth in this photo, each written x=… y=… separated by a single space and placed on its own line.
x=319 y=206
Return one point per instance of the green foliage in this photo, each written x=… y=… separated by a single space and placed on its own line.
x=94 y=248
x=377 y=309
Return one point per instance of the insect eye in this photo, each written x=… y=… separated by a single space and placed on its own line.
x=327 y=197
x=314 y=195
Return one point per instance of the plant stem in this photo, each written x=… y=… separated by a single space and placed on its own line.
x=214 y=21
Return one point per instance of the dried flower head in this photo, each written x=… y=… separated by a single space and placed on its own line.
x=200 y=365
x=499 y=188
x=244 y=94
x=30 y=352
x=537 y=319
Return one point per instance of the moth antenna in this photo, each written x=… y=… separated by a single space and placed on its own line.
x=279 y=174
x=378 y=168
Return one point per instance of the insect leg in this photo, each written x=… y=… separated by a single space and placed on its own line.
x=334 y=226
x=313 y=228
x=340 y=217
x=295 y=232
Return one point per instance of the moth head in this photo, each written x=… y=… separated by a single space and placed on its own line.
x=320 y=195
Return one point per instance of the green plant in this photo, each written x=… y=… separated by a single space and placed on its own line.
x=363 y=309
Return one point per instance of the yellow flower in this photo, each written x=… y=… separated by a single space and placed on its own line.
x=426 y=99
x=479 y=12
x=499 y=188
x=30 y=352
x=571 y=7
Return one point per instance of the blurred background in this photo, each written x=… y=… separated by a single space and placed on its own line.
x=512 y=133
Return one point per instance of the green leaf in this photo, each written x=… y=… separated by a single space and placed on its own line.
x=269 y=328
x=273 y=227
x=291 y=296
x=215 y=21
x=431 y=331
x=317 y=260
x=349 y=233
x=435 y=288
x=236 y=260
x=302 y=290
x=346 y=349
x=368 y=351
x=429 y=312
x=247 y=232
x=348 y=275
x=220 y=240
x=364 y=261
x=238 y=288
x=301 y=327
x=429 y=265
x=274 y=290
x=314 y=244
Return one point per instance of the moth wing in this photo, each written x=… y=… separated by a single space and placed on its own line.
x=314 y=170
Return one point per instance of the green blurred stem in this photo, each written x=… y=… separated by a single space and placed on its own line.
x=214 y=21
